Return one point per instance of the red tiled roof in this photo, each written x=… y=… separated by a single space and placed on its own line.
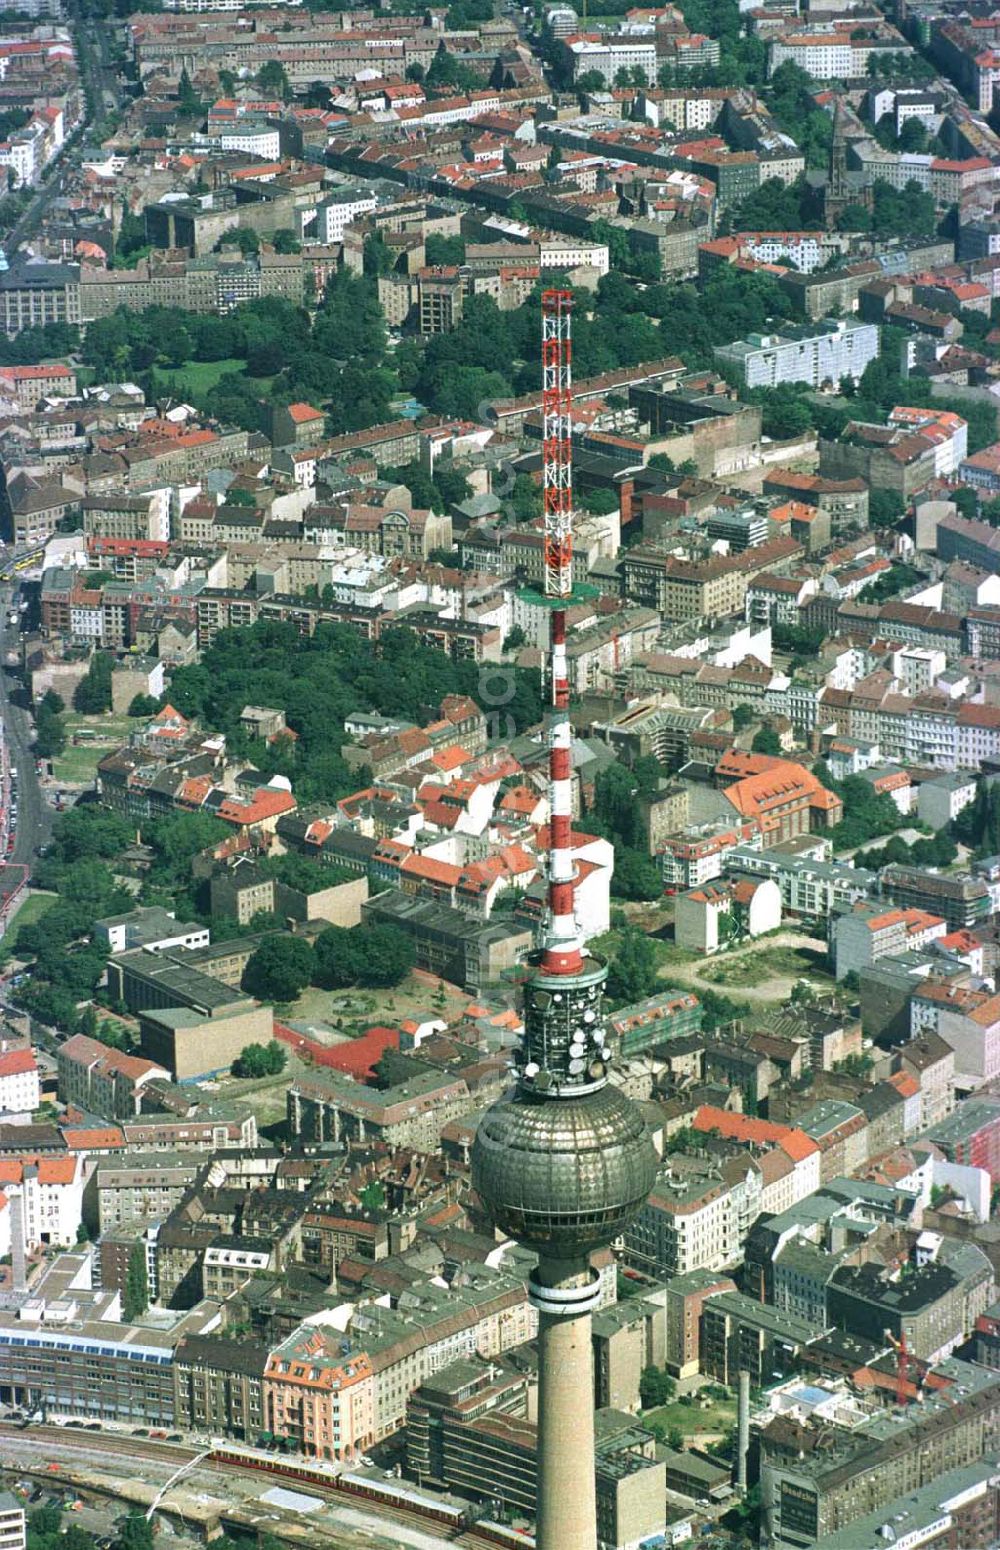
x=16 y=1062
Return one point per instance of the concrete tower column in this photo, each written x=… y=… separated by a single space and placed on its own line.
x=567 y=1500
x=565 y=1292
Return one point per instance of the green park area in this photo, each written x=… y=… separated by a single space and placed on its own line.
x=88 y=740
x=692 y=1416
x=755 y=965
x=196 y=378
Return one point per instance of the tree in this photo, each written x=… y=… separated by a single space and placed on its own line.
x=636 y=875
x=767 y=741
x=632 y=972
x=514 y=639
x=135 y=1297
x=785 y=412
x=261 y=1060
x=50 y=732
x=188 y=100
x=285 y=241
x=967 y=501
x=614 y=804
x=885 y=508
x=242 y=237
x=280 y=969
x=444 y=250
x=143 y=705
x=135 y=1533
x=272 y=80
x=743 y=716
x=92 y=695
x=376 y=956
x=656 y=1387
x=913 y=135
x=448 y=70
x=318 y=95
x=600 y=503
x=590 y=81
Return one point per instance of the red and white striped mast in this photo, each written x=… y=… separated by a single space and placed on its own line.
x=562 y=951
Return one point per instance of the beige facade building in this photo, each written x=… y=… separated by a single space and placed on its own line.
x=318 y=1397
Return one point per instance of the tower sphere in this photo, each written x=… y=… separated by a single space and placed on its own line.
x=563 y=1175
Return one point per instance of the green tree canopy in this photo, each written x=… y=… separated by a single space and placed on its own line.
x=370 y=955
x=259 y=1060
x=632 y=972
x=135 y=1298
x=280 y=969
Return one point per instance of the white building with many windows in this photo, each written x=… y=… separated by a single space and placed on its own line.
x=839 y=349
x=19 y=1086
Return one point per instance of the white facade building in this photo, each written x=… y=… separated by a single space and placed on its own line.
x=335 y=214
x=51 y=1191
x=261 y=140
x=20 y=1092
x=610 y=55
x=842 y=349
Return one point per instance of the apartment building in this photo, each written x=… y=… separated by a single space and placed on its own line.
x=868 y=932
x=684 y=1297
x=117 y=515
x=20 y=1091
x=689 y=860
x=13 y=1522
x=740 y=1334
x=696 y=1217
x=817 y=1479
x=440 y=293
x=51 y=1194
x=761 y=1137
x=101 y=1080
x=716 y=915
x=331 y=1107
x=486 y=1316
x=586 y=54
x=35 y=293
x=701 y=589
x=964 y=900
x=935 y=1307
x=830 y=51
x=781 y=799
x=28 y=385
x=219 y=1386
x=811 y=889
x=970 y=1136
x=136 y=1187
x=654 y=1021
x=821 y=357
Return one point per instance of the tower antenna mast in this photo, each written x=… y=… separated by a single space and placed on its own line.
x=563 y=1161
x=562 y=945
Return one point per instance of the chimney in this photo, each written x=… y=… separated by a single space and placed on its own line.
x=17 y=1251
x=742 y=1430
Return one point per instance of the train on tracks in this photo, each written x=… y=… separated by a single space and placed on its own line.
x=395 y=1494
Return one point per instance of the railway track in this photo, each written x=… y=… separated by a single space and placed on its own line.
x=102 y=1446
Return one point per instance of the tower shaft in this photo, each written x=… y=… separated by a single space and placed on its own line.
x=566 y=1515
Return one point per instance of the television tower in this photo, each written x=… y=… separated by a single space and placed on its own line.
x=563 y=1161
